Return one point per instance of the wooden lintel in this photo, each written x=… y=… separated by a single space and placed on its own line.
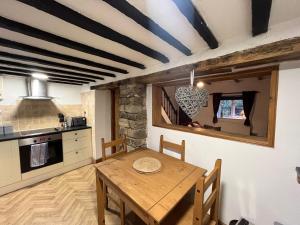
x=276 y=52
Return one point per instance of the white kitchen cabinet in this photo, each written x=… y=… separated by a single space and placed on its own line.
x=10 y=171
x=77 y=146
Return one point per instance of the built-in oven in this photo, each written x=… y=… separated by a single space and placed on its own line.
x=41 y=151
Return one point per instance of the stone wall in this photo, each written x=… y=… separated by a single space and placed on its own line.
x=133 y=116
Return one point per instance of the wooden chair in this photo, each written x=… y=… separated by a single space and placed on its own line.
x=173 y=147
x=120 y=146
x=195 y=211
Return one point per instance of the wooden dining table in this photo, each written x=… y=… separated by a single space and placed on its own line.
x=150 y=196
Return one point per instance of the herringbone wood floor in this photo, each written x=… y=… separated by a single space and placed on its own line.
x=69 y=199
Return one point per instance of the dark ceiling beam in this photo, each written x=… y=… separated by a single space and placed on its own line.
x=67 y=14
x=43 y=35
x=47 y=63
x=140 y=18
x=67 y=80
x=3 y=73
x=28 y=73
x=187 y=8
x=50 y=78
x=261 y=10
x=46 y=69
x=44 y=52
x=61 y=82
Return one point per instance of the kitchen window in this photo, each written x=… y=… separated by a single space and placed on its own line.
x=231 y=107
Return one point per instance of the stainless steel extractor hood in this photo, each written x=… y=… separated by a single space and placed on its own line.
x=37 y=89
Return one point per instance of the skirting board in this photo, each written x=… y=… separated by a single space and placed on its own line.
x=37 y=179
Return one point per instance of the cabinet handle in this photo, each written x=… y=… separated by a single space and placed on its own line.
x=76 y=140
x=76 y=152
x=75 y=133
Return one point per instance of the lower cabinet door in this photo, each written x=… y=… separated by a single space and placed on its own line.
x=10 y=171
x=75 y=156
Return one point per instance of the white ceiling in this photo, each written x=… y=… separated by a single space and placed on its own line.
x=227 y=20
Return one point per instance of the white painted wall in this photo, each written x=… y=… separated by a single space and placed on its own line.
x=15 y=87
x=102 y=119
x=258 y=183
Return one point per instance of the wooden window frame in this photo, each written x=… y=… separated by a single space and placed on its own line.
x=263 y=141
x=235 y=97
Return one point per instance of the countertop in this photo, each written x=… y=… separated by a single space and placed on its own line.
x=39 y=132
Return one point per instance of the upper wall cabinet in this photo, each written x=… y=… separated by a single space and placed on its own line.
x=10 y=171
x=240 y=106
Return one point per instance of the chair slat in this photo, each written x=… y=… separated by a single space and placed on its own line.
x=210 y=201
x=210 y=178
x=115 y=154
x=173 y=147
x=113 y=143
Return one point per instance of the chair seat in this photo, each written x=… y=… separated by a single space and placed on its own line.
x=182 y=214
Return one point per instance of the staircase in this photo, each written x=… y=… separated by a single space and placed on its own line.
x=168 y=111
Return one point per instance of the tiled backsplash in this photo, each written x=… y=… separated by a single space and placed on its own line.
x=36 y=114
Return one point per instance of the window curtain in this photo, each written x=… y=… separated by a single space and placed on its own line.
x=216 y=104
x=248 y=101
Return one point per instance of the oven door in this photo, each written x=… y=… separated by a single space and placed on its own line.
x=55 y=152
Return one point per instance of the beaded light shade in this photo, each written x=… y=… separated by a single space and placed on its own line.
x=191 y=99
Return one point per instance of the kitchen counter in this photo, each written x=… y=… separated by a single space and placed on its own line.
x=39 y=132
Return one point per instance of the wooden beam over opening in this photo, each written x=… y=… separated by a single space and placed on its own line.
x=46 y=69
x=28 y=73
x=193 y=16
x=69 y=15
x=48 y=63
x=261 y=10
x=37 y=33
x=276 y=52
x=146 y=22
x=44 y=52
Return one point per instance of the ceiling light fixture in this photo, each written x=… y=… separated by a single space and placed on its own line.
x=200 y=84
x=40 y=76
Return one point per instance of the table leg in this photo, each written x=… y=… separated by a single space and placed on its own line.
x=122 y=212
x=152 y=222
x=100 y=200
x=105 y=196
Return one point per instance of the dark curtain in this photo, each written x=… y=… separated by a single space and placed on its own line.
x=216 y=104
x=248 y=101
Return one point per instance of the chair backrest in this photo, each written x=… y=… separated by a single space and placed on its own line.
x=201 y=206
x=119 y=144
x=173 y=147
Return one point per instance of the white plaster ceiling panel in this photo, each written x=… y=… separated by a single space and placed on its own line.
x=284 y=10
x=229 y=21
x=102 y=12
x=166 y=14
x=38 y=56
x=226 y=19
x=51 y=24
